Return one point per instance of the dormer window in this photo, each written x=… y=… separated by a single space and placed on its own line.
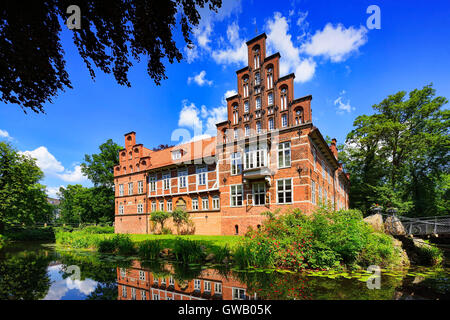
x=176 y=155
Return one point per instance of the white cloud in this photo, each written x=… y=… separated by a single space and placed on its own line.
x=5 y=134
x=200 y=79
x=203 y=120
x=189 y=116
x=52 y=192
x=280 y=40
x=51 y=166
x=203 y=32
x=236 y=52
x=343 y=106
x=73 y=176
x=45 y=160
x=335 y=42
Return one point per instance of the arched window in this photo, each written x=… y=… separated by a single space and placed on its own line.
x=245 y=86
x=236 y=229
x=269 y=77
x=235 y=114
x=256 y=58
x=283 y=97
x=299 y=116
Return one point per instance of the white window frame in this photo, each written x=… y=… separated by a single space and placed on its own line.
x=182 y=178
x=283 y=148
x=202 y=175
x=205 y=203
x=238 y=293
x=140 y=187
x=153 y=205
x=194 y=204
x=169 y=206
x=121 y=209
x=206 y=286
x=284 y=191
x=258 y=127
x=216 y=203
x=236 y=194
x=255 y=157
x=258 y=103
x=236 y=163
x=161 y=205
x=166 y=180
x=140 y=208
x=130 y=188
x=257 y=192
x=152 y=183
x=120 y=190
x=197 y=284
x=141 y=275
x=271 y=124
x=217 y=288
x=246 y=106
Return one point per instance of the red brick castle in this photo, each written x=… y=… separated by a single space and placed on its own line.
x=267 y=155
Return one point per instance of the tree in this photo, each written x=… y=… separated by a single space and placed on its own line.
x=112 y=33
x=179 y=217
x=159 y=217
x=162 y=147
x=22 y=198
x=399 y=155
x=99 y=168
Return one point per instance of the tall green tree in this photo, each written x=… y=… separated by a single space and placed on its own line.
x=399 y=156
x=99 y=168
x=22 y=198
x=92 y=205
x=112 y=36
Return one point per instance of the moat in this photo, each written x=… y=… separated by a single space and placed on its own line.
x=35 y=271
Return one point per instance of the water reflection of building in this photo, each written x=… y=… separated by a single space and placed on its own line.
x=138 y=283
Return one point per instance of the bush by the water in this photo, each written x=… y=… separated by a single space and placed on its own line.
x=188 y=251
x=326 y=239
x=150 y=249
x=2 y=241
x=119 y=244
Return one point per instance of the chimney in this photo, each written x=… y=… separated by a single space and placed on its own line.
x=333 y=148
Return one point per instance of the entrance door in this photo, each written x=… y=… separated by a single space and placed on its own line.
x=259 y=193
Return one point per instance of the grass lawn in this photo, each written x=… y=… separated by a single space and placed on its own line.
x=169 y=239
x=79 y=239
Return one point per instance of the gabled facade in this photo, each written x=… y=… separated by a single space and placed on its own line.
x=267 y=155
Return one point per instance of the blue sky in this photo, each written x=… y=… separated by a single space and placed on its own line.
x=344 y=65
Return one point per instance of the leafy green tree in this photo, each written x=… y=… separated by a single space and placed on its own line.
x=113 y=35
x=399 y=155
x=22 y=199
x=179 y=217
x=159 y=217
x=99 y=168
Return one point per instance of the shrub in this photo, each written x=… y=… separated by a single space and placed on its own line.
x=119 y=244
x=30 y=234
x=326 y=239
x=150 y=249
x=188 y=251
x=179 y=217
x=166 y=231
x=159 y=217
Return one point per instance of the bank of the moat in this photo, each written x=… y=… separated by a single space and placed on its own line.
x=40 y=271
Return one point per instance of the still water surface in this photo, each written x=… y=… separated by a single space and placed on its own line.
x=36 y=271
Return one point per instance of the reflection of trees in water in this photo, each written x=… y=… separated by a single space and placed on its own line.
x=24 y=276
x=104 y=291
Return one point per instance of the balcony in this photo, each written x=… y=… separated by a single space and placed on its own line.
x=256 y=173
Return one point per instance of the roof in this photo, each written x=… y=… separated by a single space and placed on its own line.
x=262 y=35
x=192 y=150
